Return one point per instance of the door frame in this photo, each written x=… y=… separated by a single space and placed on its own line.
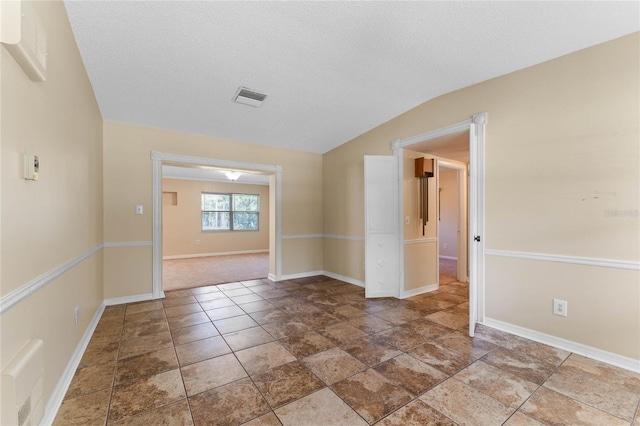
x=157 y=158
x=476 y=127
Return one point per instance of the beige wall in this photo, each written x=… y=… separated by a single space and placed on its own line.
x=182 y=223
x=128 y=181
x=58 y=218
x=449 y=212
x=561 y=150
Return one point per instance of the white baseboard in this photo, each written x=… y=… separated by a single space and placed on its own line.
x=129 y=299
x=419 y=290
x=343 y=278
x=57 y=396
x=449 y=257
x=567 y=345
x=223 y=253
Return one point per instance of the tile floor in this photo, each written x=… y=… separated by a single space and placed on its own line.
x=314 y=351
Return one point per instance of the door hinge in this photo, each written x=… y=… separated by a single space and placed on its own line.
x=476 y=238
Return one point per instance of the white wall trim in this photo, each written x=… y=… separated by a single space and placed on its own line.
x=21 y=293
x=55 y=400
x=344 y=278
x=301 y=236
x=419 y=290
x=221 y=253
x=212 y=179
x=420 y=241
x=443 y=131
x=567 y=345
x=448 y=257
x=130 y=299
x=343 y=237
x=588 y=261
x=128 y=244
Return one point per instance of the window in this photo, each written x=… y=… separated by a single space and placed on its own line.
x=230 y=212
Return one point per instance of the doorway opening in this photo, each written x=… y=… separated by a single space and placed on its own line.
x=210 y=217
x=460 y=138
x=215 y=226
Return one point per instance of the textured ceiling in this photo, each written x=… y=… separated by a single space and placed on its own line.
x=332 y=70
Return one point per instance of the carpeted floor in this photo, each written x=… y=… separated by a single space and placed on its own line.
x=178 y=274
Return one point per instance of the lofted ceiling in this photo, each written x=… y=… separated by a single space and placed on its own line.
x=331 y=70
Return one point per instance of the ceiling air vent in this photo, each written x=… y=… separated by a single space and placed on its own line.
x=249 y=97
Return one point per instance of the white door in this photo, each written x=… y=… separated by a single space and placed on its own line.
x=382 y=226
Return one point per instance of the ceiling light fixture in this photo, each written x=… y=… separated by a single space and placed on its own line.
x=249 y=97
x=232 y=176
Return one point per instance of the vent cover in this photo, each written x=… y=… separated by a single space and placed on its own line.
x=249 y=97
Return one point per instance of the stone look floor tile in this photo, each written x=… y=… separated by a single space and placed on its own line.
x=449 y=319
x=90 y=379
x=371 y=395
x=200 y=350
x=287 y=328
x=492 y=335
x=462 y=343
x=143 y=328
x=520 y=364
x=287 y=383
x=187 y=320
x=604 y=372
x=220 y=302
x=264 y=357
x=247 y=298
x=229 y=325
x=465 y=405
x=177 y=311
x=234 y=403
x=402 y=338
x=151 y=305
x=193 y=333
x=206 y=289
x=146 y=394
x=333 y=365
x=416 y=413
x=225 y=312
x=370 y=324
x=268 y=419
x=246 y=338
x=145 y=316
x=323 y=406
x=176 y=414
x=261 y=305
x=205 y=297
x=440 y=358
x=371 y=350
x=413 y=375
x=341 y=333
x=176 y=301
x=211 y=373
x=143 y=344
x=507 y=388
x=89 y=409
x=551 y=407
x=609 y=398
x=149 y=364
x=520 y=419
x=541 y=351
x=427 y=329
x=399 y=316
x=305 y=344
x=317 y=320
x=100 y=350
x=270 y=316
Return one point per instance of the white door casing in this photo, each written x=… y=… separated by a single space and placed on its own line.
x=382 y=226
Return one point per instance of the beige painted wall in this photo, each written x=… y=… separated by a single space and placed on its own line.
x=58 y=218
x=449 y=212
x=561 y=151
x=128 y=181
x=182 y=223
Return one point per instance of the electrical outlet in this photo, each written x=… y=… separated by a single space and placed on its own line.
x=197 y=242
x=560 y=307
x=76 y=314
x=407 y=220
x=445 y=246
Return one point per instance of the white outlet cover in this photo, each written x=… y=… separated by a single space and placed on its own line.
x=560 y=307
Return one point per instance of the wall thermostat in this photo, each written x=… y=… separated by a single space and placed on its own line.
x=31 y=166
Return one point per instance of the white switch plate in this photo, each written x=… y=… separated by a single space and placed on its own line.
x=139 y=209
x=560 y=307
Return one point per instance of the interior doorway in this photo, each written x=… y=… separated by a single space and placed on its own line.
x=274 y=176
x=471 y=139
